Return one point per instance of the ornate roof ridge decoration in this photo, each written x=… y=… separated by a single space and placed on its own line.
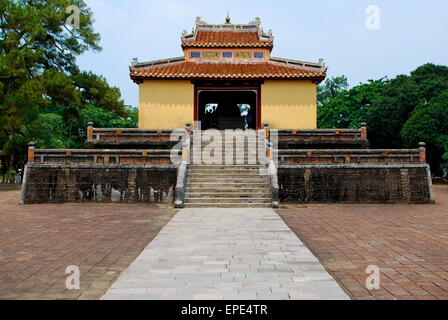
x=312 y=66
x=224 y=36
x=191 y=39
x=157 y=62
x=189 y=70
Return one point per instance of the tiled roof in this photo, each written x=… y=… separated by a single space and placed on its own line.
x=180 y=69
x=227 y=39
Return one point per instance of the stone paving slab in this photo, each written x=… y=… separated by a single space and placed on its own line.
x=235 y=254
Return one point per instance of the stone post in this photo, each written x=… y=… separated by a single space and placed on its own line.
x=266 y=130
x=363 y=130
x=188 y=129
x=422 y=149
x=269 y=151
x=90 y=131
x=186 y=144
x=31 y=148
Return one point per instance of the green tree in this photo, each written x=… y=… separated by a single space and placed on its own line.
x=47 y=131
x=350 y=107
x=399 y=112
x=38 y=71
x=330 y=88
x=390 y=110
x=429 y=123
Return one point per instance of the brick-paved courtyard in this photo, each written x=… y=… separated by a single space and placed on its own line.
x=38 y=242
x=408 y=242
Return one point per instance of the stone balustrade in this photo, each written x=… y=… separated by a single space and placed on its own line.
x=322 y=138
x=132 y=137
x=101 y=156
x=326 y=156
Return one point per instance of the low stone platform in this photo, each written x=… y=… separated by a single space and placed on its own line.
x=226 y=254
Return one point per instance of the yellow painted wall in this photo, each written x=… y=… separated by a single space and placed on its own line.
x=285 y=104
x=165 y=104
x=289 y=104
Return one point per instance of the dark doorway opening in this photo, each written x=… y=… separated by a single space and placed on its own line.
x=227 y=109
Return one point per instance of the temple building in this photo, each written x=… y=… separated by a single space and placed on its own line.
x=227 y=79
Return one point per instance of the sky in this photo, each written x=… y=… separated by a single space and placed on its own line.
x=394 y=38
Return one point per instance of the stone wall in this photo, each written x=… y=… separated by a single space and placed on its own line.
x=365 y=183
x=56 y=182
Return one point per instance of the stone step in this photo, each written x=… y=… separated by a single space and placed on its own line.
x=220 y=175
x=227 y=205
x=237 y=195
x=225 y=166
x=226 y=178
x=228 y=185
x=236 y=185
x=228 y=200
x=207 y=189
x=236 y=141
x=224 y=171
x=234 y=144
x=224 y=151
x=233 y=162
x=229 y=154
x=223 y=148
x=251 y=147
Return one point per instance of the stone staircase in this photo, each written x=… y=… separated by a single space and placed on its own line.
x=225 y=185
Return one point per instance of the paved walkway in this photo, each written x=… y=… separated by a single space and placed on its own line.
x=225 y=254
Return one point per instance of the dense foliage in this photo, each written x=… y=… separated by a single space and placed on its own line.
x=399 y=112
x=44 y=97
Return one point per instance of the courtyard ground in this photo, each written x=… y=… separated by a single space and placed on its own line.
x=38 y=242
x=409 y=243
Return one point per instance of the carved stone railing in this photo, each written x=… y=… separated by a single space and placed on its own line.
x=98 y=156
x=327 y=156
x=323 y=138
x=179 y=193
x=105 y=137
x=271 y=169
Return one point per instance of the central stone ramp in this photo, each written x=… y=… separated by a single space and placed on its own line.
x=234 y=254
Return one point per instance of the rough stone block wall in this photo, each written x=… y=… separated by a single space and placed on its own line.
x=44 y=183
x=364 y=183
